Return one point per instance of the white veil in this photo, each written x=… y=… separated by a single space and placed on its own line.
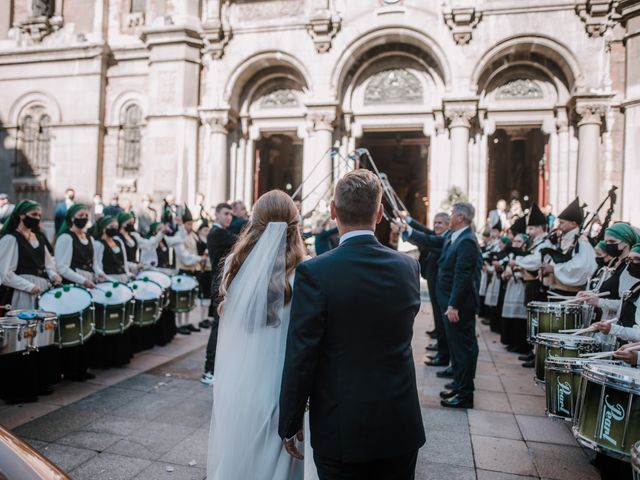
x=243 y=440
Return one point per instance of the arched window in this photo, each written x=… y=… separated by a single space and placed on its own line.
x=33 y=149
x=130 y=141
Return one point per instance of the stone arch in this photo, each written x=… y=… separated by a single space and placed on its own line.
x=123 y=101
x=540 y=52
x=401 y=39
x=269 y=62
x=30 y=99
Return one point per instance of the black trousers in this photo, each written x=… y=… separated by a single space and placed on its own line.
x=463 y=346
x=395 y=468
x=441 y=333
x=210 y=358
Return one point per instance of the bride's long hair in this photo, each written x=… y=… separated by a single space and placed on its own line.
x=273 y=206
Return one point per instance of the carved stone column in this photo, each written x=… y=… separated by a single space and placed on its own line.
x=562 y=126
x=217 y=169
x=589 y=124
x=459 y=116
x=318 y=166
x=630 y=11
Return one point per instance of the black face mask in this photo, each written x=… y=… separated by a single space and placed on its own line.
x=600 y=262
x=634 y=270
x=31 y=223
x=612 y=250
x=80 y=222
x=111 y=232
x=129 y=227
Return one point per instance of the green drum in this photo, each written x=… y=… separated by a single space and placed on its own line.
x=147 y=303
x=635 y=460
x=183 y=293
x=551 y=317
x=561 y=345
x=73 y=306
x=562 y=383
x=113 y=307
x=608 y=412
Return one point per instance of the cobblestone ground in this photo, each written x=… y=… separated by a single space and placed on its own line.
x=151 y=420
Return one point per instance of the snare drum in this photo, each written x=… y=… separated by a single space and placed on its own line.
x=73 y=306
x=635 y=460
x=562 y=383
x=551 y=317
x=112 y=301
x=183 y=293
x=161 y=278
x=46 y=324
x=561 y=345
x=17 y=335
x=147 y=306
x=608 y=411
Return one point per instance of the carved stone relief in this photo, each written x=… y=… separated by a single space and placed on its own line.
x=260 y=10
x=519 y=88
x=281 y=98
x=392 y=87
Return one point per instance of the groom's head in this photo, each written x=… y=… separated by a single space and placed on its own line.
x=356 y=201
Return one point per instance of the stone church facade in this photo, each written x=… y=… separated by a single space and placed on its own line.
x=532 y=99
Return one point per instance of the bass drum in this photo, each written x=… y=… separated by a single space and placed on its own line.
x=74 y=307
x=113 y=308
x=46 y=325
x=147 y=306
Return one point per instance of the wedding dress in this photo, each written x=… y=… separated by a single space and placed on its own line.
x=243 y=440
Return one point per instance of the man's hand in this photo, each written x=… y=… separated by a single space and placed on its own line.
x=604 y=327
x=290 y=446
x=546 y=269
x=397 y=226
x=452 y=315
x=630 y=357
x=588 y=298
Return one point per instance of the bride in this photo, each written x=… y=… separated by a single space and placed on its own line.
x=256 y=290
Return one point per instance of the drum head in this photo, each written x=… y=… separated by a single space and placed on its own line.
x=181 y=283
x=160 y=278
x=145 y=289
x=31 y=314
x=627 y=377
x=566 y=340
x=65 y=300
x=111 y=293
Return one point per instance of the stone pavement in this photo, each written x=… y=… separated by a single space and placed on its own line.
x=130 y=424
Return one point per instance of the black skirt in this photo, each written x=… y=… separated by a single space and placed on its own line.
x=165 y=328
x=143 y=338
x=49 y=365
x=111 y=350
x=19 y=374
x=75 y=360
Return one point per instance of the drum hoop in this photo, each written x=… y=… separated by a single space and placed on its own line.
x=586 y=442
x=553 y=307
x=607 y=381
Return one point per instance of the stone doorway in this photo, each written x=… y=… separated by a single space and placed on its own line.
x=403 y=156
x=518 y=166
x=278 y=164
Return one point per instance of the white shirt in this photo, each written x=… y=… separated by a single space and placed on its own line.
x=456 y=234
x=355 y=233
x=9 y=264
x=64 y=254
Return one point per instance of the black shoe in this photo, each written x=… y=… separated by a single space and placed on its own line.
x=485 y=321
x=184 y=330
x=431 y=333
x=457 y=402
x=444 y=394
x=192 y=327
x=88 y=375
x=450 y=386
x=511 y=348
x=529 y=364
x=206 y=323
x=527 y=357
x=437 y=361
x=432 y=348
x=446 y=373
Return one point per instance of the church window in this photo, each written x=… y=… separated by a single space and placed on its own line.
x=130 y=141
x=33 y=148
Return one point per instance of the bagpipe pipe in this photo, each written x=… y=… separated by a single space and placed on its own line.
x=503 y=256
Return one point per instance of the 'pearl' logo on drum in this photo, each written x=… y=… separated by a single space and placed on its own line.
x=611 y=413
x=564 y=391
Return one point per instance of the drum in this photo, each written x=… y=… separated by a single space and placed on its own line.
x=17 y=335
x=561 y=345
x=161 y=278
x=183 y=293
x=551 y=317
x=608 y=411
x=73 y=306
x=113 y=307
x=635 y=460
x=562 y=383
x=46 y=323
x=147 y=306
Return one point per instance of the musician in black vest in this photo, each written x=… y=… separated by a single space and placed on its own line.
x=26 y=270
x=429 y=243
x=111 y=260
x=457 y=290
x=349 y=348
x=74 y=254
x=219 y=243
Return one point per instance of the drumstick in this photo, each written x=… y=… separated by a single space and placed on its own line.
x=578 y=331
x=596 y=355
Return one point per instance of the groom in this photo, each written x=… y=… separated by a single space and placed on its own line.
x=349 y=348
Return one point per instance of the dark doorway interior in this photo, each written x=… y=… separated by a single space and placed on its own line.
x=518 y=166
x=403 y=156
x=278 y=164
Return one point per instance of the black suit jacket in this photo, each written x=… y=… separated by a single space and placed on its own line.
x=219 y=244
x=349 y=353
x=459 y=272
